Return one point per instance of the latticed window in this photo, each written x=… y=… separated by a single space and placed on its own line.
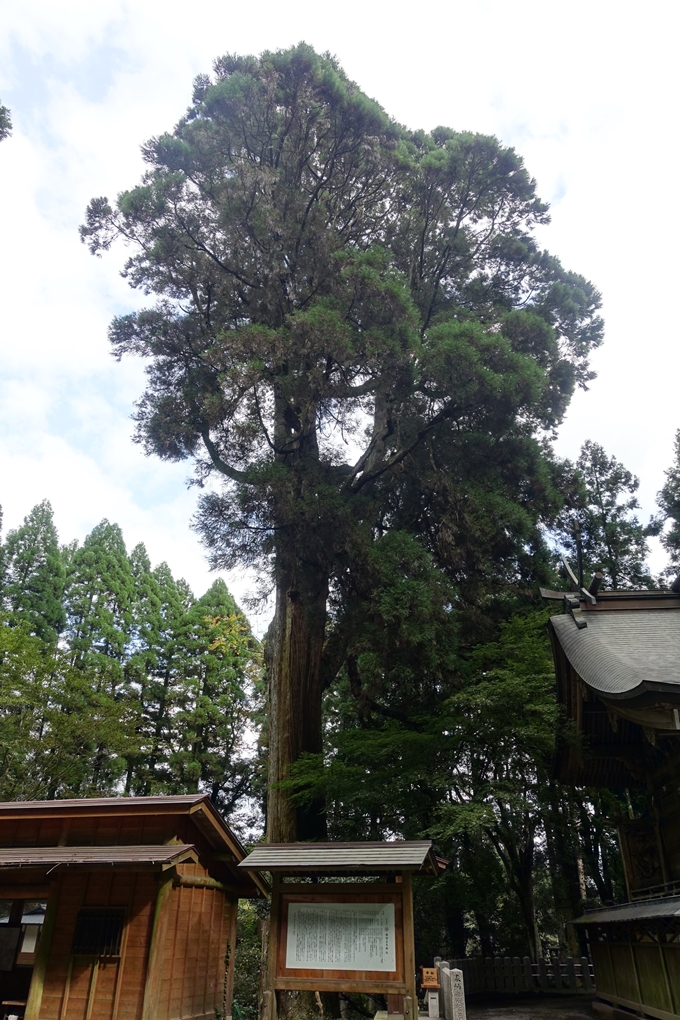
x=98 y=933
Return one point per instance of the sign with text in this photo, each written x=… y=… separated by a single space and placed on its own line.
x=341 y=936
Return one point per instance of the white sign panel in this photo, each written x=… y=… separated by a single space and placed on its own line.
x=341 y=936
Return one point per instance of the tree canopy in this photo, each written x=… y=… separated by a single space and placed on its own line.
x=600 y=497
x=114 y=677
x=358 y=331
x=668 y=500
x=5 y=122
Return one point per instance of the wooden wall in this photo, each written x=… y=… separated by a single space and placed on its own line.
x=198 y=927
x=639 y=975
x=102 y=830
x=78 y=988
x=666 y=792
x=194 y=925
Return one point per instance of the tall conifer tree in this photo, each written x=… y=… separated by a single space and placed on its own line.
x=668 y=500
x=34 y=574
x=601 y=498
x=154 y=669
x=5 y=122
x=217 y=660
x=330 y=282
x=100 y=596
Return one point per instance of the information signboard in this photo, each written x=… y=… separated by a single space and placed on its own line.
x=341 y=936
x=342 y=919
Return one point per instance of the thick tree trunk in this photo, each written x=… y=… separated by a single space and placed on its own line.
x=517 y=857
x=526 y=898
x=562 y=860
x=296 y=638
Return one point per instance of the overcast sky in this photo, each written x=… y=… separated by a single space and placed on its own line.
x=585 y=91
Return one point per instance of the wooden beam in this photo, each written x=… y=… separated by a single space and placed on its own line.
x=35 y=993
x=323 y=889
x=25 y=892
x=229 y=976
x=204 y=882
x=270 y=1010
x=93 y=989
x=319 y=984
x=155 y=963
x=409 y=948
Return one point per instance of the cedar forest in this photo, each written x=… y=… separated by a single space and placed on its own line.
x=358 y=341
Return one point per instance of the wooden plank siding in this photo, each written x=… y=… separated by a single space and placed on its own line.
x=116 y=830
x=121 y=980
x=666 y=792
x=193 y=974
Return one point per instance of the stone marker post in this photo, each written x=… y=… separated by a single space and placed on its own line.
x=457 y=996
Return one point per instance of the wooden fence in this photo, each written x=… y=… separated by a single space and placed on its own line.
x=511 y=974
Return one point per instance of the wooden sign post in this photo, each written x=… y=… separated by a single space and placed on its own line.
x=429 y=982
x=349 y=936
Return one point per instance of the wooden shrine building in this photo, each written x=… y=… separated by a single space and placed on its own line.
x=617 y=661
x=118 y=909
x=351 y=935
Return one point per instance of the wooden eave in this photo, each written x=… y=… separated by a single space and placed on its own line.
x=164 y=856
x=198 y=807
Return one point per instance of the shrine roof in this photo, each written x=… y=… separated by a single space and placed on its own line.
x=664 y=906
x=164 y=856
x=338 y=858
x=160 y=804
x=197 y=807
x=622 y=654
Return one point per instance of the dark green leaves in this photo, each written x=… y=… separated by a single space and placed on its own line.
x=5 y=123
x=35 y=576
x=601 y=497
x=668 y=501
x=113 y=676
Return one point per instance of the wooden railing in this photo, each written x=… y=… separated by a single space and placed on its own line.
x=512 y=974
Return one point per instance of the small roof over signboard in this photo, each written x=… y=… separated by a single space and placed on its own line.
x=345 y=858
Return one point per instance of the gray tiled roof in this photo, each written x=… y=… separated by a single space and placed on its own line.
x=84 y=804
x=338 y=857
x=21 y=856
x=621 y=654
x=665 y=906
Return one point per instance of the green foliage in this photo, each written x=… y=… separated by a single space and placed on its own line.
x=62 y=733
x=248 y=961
x=600 y=496
x=218 y=668
x=99 y=597
x=147 y=689
x=668 y=501
x=34 y=575
x=317 y=264
x=5 y=123
x=464 y=756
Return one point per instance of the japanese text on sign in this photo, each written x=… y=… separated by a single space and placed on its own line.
x=341 y=936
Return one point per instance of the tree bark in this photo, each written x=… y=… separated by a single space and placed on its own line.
x=561 y=837
x=296 y=638
x=517 y=857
